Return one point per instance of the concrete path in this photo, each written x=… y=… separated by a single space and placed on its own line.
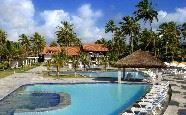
x=8 y=84
x=12 y=82
x=177 y=106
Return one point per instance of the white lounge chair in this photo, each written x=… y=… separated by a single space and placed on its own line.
x=128 y=112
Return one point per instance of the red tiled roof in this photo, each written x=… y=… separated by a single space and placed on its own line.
x=47 y=50
x=73 y=51
x=95 y=47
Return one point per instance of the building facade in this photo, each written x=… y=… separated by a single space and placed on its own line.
x=94 y=51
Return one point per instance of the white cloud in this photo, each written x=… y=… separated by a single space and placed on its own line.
x=84 y=22
x=52 y=19
x=179 y=16
x=17 y=17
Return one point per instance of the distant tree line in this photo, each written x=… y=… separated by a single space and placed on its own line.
x=15 y=50
x=127 y=37
x=164 y=42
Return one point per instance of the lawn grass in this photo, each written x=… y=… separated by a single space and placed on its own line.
x=7 y=72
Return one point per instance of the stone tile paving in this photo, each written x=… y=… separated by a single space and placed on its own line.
x=177 y=106
x=12 y=82
x=8 y=84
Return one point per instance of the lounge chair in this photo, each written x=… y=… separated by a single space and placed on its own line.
x=128 y=112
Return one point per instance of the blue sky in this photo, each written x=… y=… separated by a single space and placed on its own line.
x=112 y=9
x=88 y=16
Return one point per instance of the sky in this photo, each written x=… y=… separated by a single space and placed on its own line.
x=89 y=17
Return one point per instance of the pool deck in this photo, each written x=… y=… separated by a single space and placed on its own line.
x=33 y=76
x=8 y=84
x=177 y=105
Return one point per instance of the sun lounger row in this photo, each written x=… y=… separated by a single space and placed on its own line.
x=150 y=102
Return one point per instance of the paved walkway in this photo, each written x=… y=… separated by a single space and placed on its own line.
x=177 y=106
x=8 y=84
x=12 y=82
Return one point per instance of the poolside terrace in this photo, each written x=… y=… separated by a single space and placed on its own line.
x=176 y=106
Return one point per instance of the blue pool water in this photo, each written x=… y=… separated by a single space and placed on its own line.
x=114 y=74
x=91 y=99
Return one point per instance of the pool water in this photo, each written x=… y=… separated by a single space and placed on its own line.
x=21 y=100
x=90 y=99
x=114 y=74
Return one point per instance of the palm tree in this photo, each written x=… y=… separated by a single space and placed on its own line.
x=119 y=43
x=53 y=44
x=130 y=27
x=84 y=57
x=170 y=37
x=105 y=61
x=147 y=39
x=75 y=63
x=110 y=27
x=59 y=60
x=25 y=43
x=66 y=36
x=146 y=12
x=3 y=37
x=101 y=41
x=183 y=30
x=38 y=43
x=11 y=51
x=48 y=64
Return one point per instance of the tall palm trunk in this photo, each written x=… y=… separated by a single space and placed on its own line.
x=58 y=68
x=132 y=44
x=154 y=42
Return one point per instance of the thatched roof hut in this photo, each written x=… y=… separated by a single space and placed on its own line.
x=140 y=59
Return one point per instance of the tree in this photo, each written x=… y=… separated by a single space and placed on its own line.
x=130 y=27
x=38 y=43
x=53 y=44
x=146 y=12
x=59 y=60
x=48 y=64
x=147 y=39
x=105 y=61
x=170 y=37
x=25 y=43
x=3 y=39
x=84 y=57
x=66 y=36
x=110 y=26
x=119 y=43
x=11 y=51
x=75 y=63
x=183 y=30
x=101 y=41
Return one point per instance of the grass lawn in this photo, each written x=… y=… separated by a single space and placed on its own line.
x=7 y=72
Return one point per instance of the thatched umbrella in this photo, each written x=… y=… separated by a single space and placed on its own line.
x=139 y=59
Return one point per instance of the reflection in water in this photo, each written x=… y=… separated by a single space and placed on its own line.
x=119 y=91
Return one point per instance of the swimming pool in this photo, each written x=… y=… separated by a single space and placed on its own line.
x=89 y=99
x=114 y=74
